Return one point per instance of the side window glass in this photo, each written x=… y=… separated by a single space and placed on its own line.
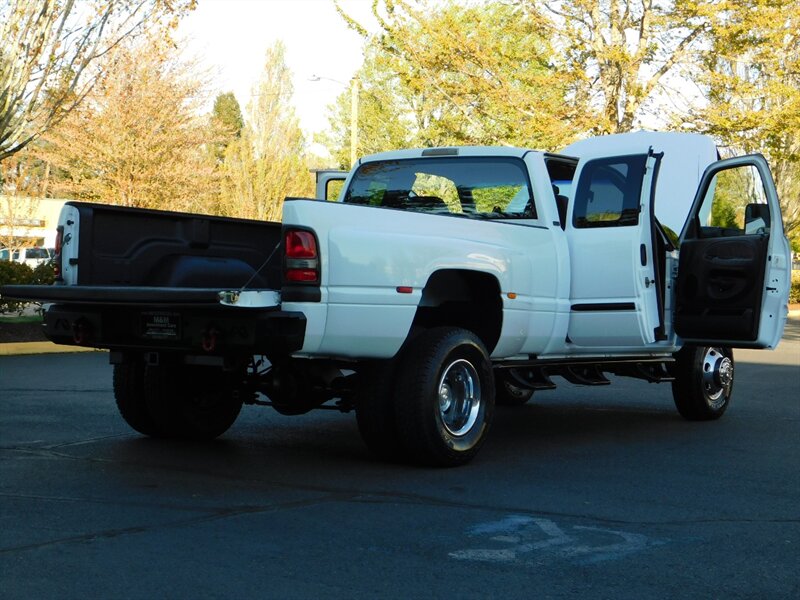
x=333 y=188
x=609 y=191
x=734 y=204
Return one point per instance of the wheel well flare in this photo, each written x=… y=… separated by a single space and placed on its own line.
x=462 y=298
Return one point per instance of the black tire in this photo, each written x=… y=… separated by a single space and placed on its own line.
x=703 y=382
x=445 y=360
x=196 y=403
x=130 y=397
x=375 y=411
x=508 y=392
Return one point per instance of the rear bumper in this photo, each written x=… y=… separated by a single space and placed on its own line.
x=205 y=330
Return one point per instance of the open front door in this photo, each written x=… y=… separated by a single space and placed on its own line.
x=733 y=274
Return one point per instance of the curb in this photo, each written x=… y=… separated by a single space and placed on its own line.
x=21 y=348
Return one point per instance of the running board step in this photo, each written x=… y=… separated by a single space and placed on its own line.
x=584 y=375
x=654 y=372
x=532 y=378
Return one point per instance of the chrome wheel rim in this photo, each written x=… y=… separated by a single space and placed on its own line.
x=717 y=376
x=459 y=393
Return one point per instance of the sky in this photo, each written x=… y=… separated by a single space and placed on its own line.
x=230 y=37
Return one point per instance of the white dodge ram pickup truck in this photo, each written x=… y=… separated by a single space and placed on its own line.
x=441 y=282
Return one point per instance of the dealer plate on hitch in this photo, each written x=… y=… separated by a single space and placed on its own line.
x=161 y=325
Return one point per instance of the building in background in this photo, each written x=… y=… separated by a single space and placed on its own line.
x=28 y=222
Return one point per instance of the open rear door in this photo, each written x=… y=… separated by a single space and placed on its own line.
x=733 y=274
x=614 y=294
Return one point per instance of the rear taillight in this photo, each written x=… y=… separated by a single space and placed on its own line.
x=57 y=257
x=301 y=257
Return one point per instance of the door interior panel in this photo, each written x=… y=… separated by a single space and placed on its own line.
x=720 y=287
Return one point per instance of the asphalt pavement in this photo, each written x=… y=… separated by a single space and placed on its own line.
x=583 y=493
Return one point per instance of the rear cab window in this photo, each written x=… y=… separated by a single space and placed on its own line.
x=469 y=187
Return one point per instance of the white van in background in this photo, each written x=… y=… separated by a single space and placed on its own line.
x=33 y=257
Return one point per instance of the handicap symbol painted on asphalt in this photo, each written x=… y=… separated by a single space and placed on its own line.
x=521 y=537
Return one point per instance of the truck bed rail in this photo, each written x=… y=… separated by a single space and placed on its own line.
x=116 y=295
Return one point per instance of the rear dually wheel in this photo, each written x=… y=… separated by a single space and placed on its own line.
x=130 y=397
x=445 y=397
x=197 y=403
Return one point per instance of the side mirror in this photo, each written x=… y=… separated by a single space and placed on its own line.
x=756 y=218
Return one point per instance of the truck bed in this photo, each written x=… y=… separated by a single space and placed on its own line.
x=151 y=280
x=150 y=248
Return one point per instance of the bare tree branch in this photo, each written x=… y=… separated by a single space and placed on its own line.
x=47 y=49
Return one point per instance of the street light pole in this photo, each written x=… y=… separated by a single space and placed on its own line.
x=354 y=121
x=355 y=86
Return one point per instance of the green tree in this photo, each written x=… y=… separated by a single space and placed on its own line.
x=228 y=114
x=226 y=122
x=52 y=52
x=267 y=162
x=752 y=78
x=723 y=214
x=619 y=56
x=536 y=73
x=468 y=74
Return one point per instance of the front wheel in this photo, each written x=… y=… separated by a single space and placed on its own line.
x=703 y=382
x=445 y=397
